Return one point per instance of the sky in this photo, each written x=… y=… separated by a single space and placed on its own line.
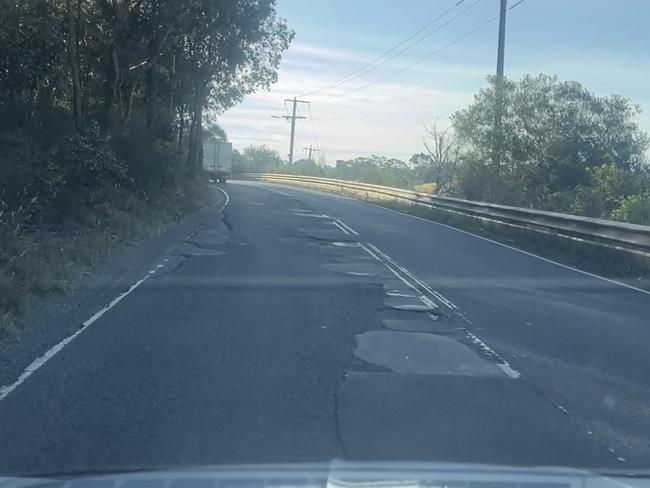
x=603 y=44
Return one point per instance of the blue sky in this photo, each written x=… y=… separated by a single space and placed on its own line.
x=604 y=44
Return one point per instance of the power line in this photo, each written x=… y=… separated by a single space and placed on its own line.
x=304 y=131
x=514 y=5
x=368 y=65
x=421 y=39
x=401 y=70
x=313 y=129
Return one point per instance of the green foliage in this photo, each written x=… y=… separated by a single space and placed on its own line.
x=553 y=134
x=257 y=159
x=634 y=208
x=101 y=119
x=562 y=148
x=375 y=169
x=307 y=167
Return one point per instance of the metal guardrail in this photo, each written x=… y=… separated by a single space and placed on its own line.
x=631 y=238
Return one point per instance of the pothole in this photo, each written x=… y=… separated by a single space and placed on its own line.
x=425 y=354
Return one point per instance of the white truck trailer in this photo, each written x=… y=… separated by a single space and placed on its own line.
x=217 y=160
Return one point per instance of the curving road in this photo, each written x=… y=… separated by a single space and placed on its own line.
x=298 y=326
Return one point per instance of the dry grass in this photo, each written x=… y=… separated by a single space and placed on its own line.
x=40 y=262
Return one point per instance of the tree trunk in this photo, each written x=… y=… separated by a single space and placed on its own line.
x=150 y=94
x=129 y=105
x=181 y=125
x=74 y=64
x=171 y=79
x=196 y=129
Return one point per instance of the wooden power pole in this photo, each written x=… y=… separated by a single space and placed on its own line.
x=293 y=118
x=311 y=150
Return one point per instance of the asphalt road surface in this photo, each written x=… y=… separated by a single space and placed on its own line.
x=297 y=326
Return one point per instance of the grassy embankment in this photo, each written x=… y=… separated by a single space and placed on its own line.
x=38 y=262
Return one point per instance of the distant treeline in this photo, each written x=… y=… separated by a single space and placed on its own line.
x=561 y=148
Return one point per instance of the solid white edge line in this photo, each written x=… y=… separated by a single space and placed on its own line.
x=225 y=194
x=433 y=222
x=39 y=362
x=527 y=253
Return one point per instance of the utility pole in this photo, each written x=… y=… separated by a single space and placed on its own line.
x=311 y=150
x=502 y=37
x=498 y=113
x=293 y=118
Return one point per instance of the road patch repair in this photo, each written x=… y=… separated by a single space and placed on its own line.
x=422 y=353
x=425 y=400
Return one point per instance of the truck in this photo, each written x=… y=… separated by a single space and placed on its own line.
x=217 y=160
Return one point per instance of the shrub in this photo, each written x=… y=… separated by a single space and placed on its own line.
x=90 y=173
x=634 y=208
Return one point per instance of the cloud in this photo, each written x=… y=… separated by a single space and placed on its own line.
x=383 y=119
x=320 y=52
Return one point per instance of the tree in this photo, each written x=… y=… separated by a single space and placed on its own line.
x=214 y=132
x=553 y=132
x=257 y=159
x=439 y=163
x=233 y=47
x=307 y=167
x=375 y=169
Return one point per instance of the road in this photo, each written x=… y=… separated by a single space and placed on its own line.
x=297 y=326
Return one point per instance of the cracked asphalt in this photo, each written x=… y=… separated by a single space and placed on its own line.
x=296 y=326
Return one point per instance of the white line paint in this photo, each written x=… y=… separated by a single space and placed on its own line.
x=53 y=351
x=392 y=270
x=346 y=244
x=312 y=215
x=225 y=194
x=417 y=280
x=341 y=227
x=500 y=362
x=350 y=229
x=428 y=302
x=38 y=363
x=587 y=273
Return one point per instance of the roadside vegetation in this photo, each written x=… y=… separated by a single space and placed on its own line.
x=103 y=105
x=561 y=148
